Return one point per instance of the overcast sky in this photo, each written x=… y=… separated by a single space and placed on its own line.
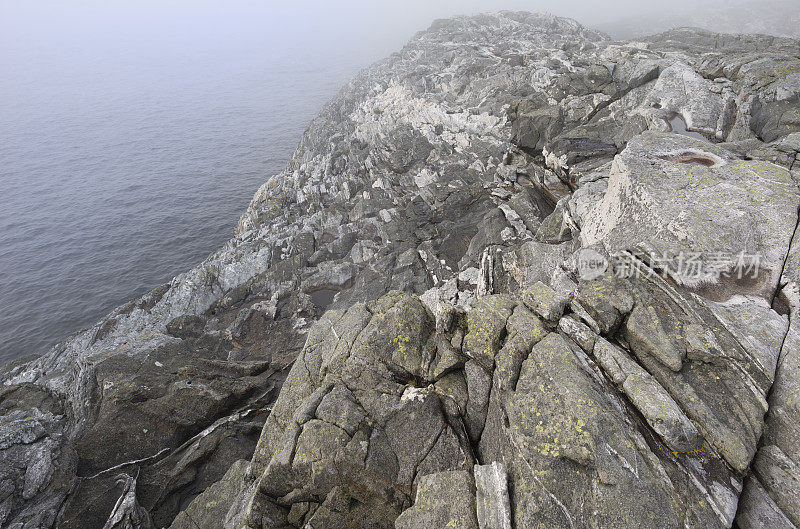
x=376 y=11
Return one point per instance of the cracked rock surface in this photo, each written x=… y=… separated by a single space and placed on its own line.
x=403 y=331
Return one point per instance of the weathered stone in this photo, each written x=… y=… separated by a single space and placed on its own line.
x=349 y=439
x=340 y=409
x=757 y=509
x=607 y=301
x=671 y=196
x=559 y=448
x=446 y=499
x=781 y=476
x=545 y=301
x=579 y=333
x=536 y=121
x=661 y=412
x=127 y=513
x=775 y=119
x=486 y=329
x=725 y=400
x=772 y=490
x=524 y=330
x=210 y=509
x=479 y=384
x=646 y=334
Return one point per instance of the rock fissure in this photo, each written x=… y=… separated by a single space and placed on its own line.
x=153 y=457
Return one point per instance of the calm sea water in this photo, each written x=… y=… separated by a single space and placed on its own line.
x=127 y=157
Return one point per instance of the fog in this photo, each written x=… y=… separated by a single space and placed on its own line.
x=384 y=26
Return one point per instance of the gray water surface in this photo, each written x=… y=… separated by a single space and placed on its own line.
x=128 y=152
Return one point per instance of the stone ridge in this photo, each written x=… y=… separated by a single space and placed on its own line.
x=455 y=308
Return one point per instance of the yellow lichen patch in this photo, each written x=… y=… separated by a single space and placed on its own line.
x=785 y=70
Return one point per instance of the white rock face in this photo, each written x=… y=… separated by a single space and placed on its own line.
x=494 y=509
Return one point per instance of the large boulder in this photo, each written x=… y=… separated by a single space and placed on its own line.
x=678 y=201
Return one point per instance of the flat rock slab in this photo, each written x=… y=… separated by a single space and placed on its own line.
x=670 y=196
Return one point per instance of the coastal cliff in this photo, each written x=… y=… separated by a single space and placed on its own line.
x=515 y=275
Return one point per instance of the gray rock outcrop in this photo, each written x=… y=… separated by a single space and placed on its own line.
x=515 y=275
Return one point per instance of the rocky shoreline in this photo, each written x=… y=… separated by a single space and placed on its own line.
x=467 y=302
